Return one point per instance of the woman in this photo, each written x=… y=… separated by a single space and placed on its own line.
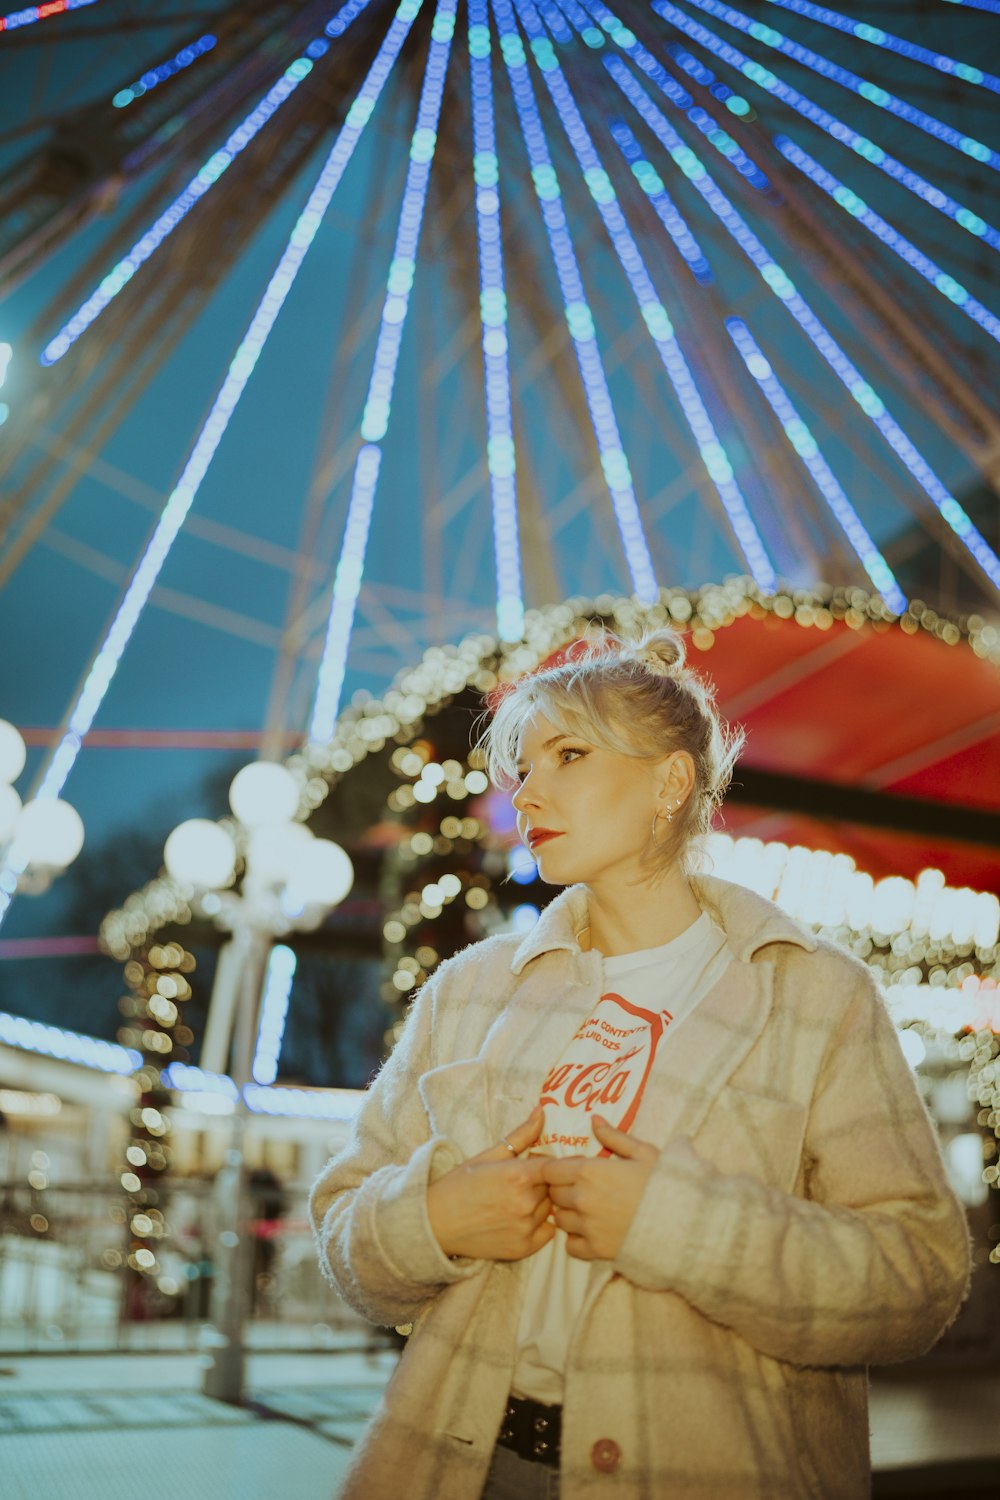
x=652 y=1184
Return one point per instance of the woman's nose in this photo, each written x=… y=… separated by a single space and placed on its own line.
x=525 y=796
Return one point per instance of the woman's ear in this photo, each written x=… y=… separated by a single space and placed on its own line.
x=676 y=778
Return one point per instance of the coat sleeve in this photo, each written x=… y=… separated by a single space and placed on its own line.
x=369 y=1205
x=869 y=1268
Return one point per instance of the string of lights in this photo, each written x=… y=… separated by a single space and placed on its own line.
x=851 y=203
x=654 y=314
x=153 y=76
x=579 y=318
x=853 y=82
x=696 y=69
x=993 y=6
x=501 y=458
x=31 y=13
x=806 y=446
x=273 y=1012
x=375 y=420
x=70 y=1046
x=204 y=179
x=667 y=211
x=105 y=663
x=878 y=37
x=763 y=77
x=782 y=286
x=708 y=126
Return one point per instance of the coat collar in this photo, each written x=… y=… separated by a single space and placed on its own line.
x=749 y=921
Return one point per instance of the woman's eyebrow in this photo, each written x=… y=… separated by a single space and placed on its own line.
x=547 y=745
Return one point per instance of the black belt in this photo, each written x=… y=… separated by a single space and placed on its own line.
x=532 y=1430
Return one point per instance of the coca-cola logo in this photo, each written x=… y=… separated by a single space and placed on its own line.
x=605 y=1068
x=589 y=1084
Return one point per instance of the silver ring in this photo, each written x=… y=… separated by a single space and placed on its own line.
x=507 y=1143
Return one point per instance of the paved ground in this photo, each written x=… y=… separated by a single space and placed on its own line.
x=118 y=1426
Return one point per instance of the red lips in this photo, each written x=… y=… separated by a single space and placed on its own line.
x=542 y=835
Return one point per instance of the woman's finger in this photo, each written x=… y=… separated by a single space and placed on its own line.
x=518 y=1139
x=542 y=1235
x=619 y=1142
x=568 y=1221
x=541 y=1213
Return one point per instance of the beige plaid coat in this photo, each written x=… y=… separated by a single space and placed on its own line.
x=797 y=1228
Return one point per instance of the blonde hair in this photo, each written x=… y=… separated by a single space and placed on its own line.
x=636 y=698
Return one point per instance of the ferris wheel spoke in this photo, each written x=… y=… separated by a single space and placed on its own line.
x=579 y=318
x=836 y=128
x=27 y=15
x=862 y=87
x=808 y=450
x=952 y=290
x=375 y=421
x=200 y=184
x=160 y=72
x=876 y=36
x=704 y=122
x=781 y=285
x=655 y=316
x=501 y=458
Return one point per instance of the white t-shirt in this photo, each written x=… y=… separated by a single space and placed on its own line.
x=605 y=1068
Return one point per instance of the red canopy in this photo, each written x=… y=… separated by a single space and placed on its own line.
x=871 y=708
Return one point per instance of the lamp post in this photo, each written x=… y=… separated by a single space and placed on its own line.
x=40 y=838
x=291 y=881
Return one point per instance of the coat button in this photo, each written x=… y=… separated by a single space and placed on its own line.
x=605 y=1455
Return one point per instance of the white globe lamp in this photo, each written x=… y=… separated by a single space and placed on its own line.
x=12 y=753
x=49 y=833
x=264 y=793
x=10 y=806
x=323 y=876
x=200 y=853
x=275 y=851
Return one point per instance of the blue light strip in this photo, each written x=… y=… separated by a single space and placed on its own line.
x=109 y=1057
x=805 y=445
x=880 y=97
x=304 y=1104
x=579 y=318
x=671 y=89
x=993 y=6
x=670 y=217
x=375 y=421
x=784 y=289
x=949 y=288
x=834 y=127
x=105 y=664
x=697 y=70
x=654 y=314
x=70 y=1046
x=879 y=38
x=32 y=13
x=273 y=1013
x=204 y=179
x=153 y=76
x=501 y=459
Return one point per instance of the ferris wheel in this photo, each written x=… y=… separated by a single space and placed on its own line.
x=535 y=301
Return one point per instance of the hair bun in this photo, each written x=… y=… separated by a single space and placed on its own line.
x=661 y=653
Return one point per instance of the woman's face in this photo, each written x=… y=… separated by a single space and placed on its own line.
x=583 y=811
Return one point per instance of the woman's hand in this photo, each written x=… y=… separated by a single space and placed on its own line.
x=595 y=1197
x=494 y=1206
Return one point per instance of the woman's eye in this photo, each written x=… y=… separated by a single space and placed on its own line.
x=572 y=752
